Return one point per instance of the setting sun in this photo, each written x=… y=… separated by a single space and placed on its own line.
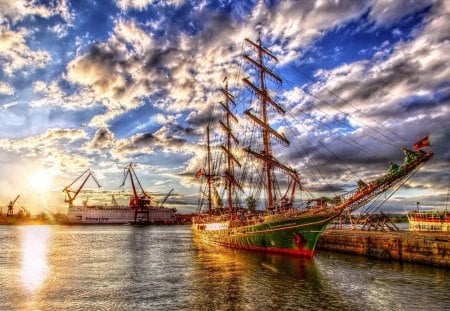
x=40 y=181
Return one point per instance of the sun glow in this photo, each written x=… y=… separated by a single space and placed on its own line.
x=40 y=181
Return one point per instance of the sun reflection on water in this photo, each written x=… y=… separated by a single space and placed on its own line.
x=35 y=246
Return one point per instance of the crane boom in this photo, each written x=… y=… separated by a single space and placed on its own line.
x=129 y=173
x=15 y=200
x=70 y=198
x=133 y=177
x=165 y=199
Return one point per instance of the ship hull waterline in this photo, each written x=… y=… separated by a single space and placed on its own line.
x=295 y=236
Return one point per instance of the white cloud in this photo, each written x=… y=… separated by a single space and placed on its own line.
x=388 y=11
x=14 y=50
x=6 y=89
x=164 y=119
x=17 y=54
x=12 y=11
x=53 y=148
x=47 y=139
x=141 y=5
x=138 y=39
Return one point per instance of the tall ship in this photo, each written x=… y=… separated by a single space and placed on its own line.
x=246 y=168
x=141 y=208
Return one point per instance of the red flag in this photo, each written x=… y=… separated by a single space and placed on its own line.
x=199 y=173
x=424 y=142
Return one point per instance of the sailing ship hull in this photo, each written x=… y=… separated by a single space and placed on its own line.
x=291 y=234
x=116 y=215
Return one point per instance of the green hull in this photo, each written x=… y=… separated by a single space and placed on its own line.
x=295 y=233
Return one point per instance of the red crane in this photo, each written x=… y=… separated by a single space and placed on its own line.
x=140 y=204
x=136 y=200
x=70 y=198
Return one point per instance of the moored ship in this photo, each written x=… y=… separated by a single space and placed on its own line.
x=283 y=226
x=139 y=211
x=429 y=221
x=99 y=214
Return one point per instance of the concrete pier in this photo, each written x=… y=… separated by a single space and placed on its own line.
x=421 y=247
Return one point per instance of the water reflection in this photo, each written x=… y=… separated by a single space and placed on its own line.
x=34 y=249
x=228 y=279
x=162 y=268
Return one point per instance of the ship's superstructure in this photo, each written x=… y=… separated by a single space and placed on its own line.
x=429 y=221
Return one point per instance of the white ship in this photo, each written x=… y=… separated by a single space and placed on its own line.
x=139 y=211
x=97 y=214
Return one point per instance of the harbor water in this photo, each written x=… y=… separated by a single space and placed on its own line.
x=165 y=268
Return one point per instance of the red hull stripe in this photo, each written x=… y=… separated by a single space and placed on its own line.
x=301 y=252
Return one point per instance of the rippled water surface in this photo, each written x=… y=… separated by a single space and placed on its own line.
x=164 y=268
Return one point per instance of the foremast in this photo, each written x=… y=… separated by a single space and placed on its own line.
x=268 y=133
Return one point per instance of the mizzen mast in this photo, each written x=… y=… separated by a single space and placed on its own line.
x=230 y=180
x=268 y=132
x=209 y=175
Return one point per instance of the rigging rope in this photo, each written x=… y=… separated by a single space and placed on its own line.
x=348 y=103
x=338 y=120
x=346 y=137
x=330 y=151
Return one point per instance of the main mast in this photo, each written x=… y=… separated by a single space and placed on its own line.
x=267 y=131
x=231 y=182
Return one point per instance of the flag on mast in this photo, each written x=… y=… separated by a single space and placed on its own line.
x=199 y=173
x=424 y=142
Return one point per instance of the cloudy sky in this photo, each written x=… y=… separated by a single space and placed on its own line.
x=101 y=84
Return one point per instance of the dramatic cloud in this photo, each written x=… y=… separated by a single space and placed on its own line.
x=104 y=85
x=406 y=81
x=103 y=139
x=39 y=143
x=51 y=149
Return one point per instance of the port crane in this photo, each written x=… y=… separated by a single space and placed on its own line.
x=72 y=194
x=139 y=203
x=166 y=197
x=11 y=206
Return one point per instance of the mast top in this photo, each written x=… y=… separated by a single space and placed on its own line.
x=260 y=47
